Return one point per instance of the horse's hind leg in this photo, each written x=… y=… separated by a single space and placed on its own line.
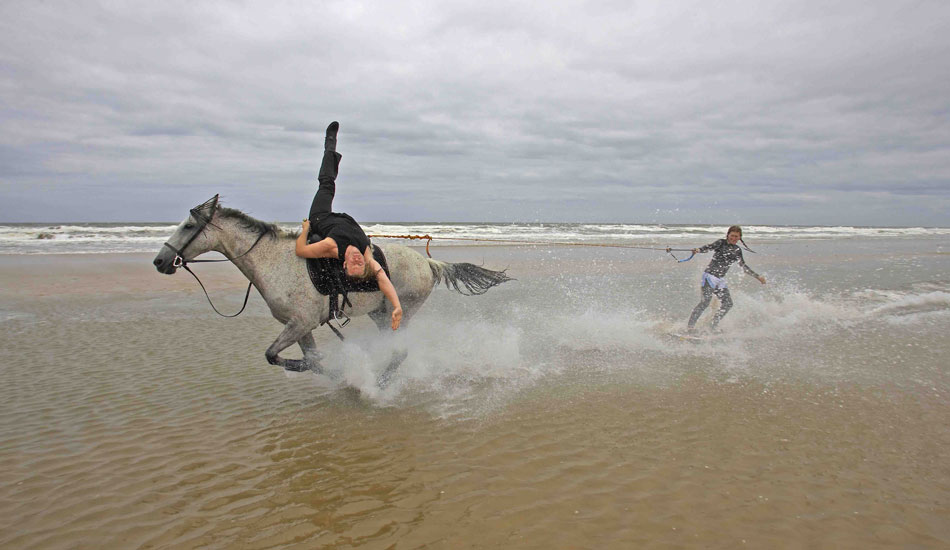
x=291 y=334
x=311 y=355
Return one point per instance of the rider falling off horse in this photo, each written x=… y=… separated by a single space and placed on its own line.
x=343 y=238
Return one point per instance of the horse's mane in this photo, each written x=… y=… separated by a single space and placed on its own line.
x=254 y=224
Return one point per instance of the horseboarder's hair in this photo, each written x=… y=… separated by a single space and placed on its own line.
x=737 y=229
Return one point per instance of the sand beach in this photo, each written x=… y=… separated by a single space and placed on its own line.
x=552 y=412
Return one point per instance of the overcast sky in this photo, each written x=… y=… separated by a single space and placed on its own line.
x=662 y=112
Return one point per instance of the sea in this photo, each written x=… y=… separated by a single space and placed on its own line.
x=557 y=410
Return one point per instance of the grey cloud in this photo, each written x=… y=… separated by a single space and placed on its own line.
x=608 y=111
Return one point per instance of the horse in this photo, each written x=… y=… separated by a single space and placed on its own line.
x=264 y=253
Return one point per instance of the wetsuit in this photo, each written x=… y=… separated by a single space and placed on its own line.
x=712 y=281
x=342 y=228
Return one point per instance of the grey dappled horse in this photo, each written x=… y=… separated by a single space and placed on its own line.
x=265 y=255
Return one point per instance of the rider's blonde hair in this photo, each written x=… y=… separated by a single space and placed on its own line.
x=367 y=272
x=366 y=275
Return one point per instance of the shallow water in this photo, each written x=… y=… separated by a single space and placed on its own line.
x=552 y=412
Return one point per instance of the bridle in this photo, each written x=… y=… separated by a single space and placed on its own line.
x=198 y=213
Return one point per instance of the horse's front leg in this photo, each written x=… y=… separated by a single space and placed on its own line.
x=293 y=332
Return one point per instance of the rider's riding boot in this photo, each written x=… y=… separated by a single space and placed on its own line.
x=330 y=143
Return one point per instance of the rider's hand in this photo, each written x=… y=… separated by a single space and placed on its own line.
x=306 y=227
x=695 y=251
x=397 y=317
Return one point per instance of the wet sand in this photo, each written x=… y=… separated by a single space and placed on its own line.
x=133 y=417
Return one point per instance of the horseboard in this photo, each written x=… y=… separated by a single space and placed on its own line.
x=691 y=337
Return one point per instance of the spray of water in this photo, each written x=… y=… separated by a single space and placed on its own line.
x=460 y=365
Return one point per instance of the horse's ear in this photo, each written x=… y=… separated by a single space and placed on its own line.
x=205 y=210
x=209 y=204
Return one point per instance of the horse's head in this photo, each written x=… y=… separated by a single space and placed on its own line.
x=191 y=238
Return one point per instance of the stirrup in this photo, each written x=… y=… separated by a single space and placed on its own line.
x=341 y=318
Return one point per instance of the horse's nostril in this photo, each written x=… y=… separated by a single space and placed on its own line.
x=158 y=262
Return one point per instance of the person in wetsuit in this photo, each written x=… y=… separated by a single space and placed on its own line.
x=343 y=238
x=727 y=252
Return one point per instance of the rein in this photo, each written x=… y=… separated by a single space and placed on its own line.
x=180 y=261
x=246 y=294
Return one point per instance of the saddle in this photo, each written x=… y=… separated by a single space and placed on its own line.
x=329 y=279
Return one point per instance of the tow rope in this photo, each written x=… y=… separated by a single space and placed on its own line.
x=410 y=237
x=555 y=243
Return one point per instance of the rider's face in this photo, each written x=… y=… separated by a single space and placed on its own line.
x=353 y=262
x=733 y=237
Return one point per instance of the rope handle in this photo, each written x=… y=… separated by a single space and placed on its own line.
x=690 y=250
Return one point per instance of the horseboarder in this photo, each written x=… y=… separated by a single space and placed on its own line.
x=343 y=238
x=727 y=252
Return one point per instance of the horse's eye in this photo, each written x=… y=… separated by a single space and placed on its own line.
x=189 y=226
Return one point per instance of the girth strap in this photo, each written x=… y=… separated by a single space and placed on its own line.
x=337 y=332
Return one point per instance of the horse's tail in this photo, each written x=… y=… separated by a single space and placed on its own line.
x=475 y=279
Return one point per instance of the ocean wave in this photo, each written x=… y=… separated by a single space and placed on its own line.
x=51 y=238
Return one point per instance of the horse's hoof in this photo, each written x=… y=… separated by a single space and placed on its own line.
x=384 y=379
x=302 y=366
x=316 y=369
x=296 y=367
